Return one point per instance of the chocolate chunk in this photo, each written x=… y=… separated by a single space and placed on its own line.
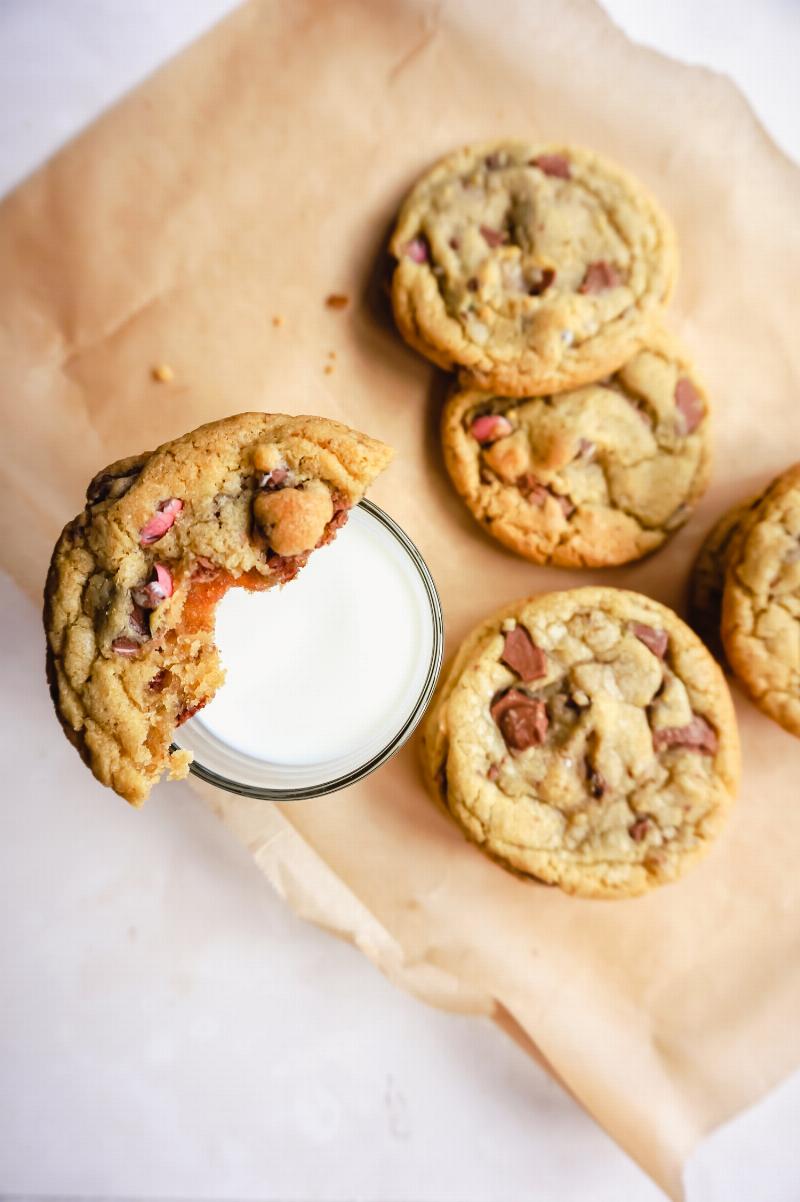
x=110 y=487
x=656 y=641
x=493 y=237
x=689 y=404
x=537 y=493
x=454 y=243
x=698 y=735
x=553 y=164
x=638 y=829
x=495 y=161
x=139 y=621
x=157 y=684
x=337 y=300
x=161 y=521
x=204 y=569
x=522 y=719
x=531 y=489
x=599 y=276
x=522 y=656
x=472 y=284
x=596 y=782
x=543 y=283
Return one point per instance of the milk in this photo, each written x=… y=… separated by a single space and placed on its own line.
x=323 y=674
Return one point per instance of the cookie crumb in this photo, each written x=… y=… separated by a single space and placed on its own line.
x=277 y=320
x=337 y=300
x=331 y=354
x=328 y=369
x=162 y=373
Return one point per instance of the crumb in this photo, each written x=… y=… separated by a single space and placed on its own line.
x=337 y=300
x=277 y=320
x=331 y=354
x=328 y=368
x=163 y=373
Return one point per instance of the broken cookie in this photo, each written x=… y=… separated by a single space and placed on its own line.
x=135 y=579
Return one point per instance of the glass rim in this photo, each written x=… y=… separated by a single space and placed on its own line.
x=265 y=793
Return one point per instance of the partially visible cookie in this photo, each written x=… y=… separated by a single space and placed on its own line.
x=708 y=577
x=586 y=738
x=592 y=477
x=134 y=580
x=761 y=601
x=532 y=268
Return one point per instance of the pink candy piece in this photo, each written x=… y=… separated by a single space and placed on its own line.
x=416 y=250
x=161 y=521
x=156 y=590
x=124 y=646
x=490 y=427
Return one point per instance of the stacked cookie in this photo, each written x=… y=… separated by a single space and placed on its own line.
x=584 y=738
x=578 y=433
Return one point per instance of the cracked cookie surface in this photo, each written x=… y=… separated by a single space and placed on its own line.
x=587 y=739
x=134 y=580
x=596 y=476
x=531 y=268
x=760 y=619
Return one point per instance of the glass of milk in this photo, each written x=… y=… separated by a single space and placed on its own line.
x=327 y=677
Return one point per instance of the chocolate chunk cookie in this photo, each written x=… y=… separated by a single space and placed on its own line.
x=532 y=268
x=747 y=578
x=134 y=580
x=585 y=738
x=592 y=477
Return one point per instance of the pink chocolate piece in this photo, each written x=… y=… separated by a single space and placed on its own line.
x=599 y=276
x=493 y=772
x=553 y=164
x=126 y=646
x=698 y=735
x=157 y=589
x=490 y=427
x=493 y=237
x=689 y=404
x=522 y=719
x=522 y=656
x=416 y=250
x=638 y=829
x=531 y=489
x=656 y=641
x=161 y=521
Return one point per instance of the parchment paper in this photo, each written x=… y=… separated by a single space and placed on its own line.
x=250 y=178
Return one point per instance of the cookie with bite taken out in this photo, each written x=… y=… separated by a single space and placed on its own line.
x=587 y=739
x=135 y=578
x=531 y=268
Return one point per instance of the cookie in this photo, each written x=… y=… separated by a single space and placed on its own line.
x=134 y=580
x=708 y=577
x=761 y=601
x=592 y=477
x=587 y=739
x=532 y=268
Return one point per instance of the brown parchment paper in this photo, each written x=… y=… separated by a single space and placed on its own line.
x=259 y=172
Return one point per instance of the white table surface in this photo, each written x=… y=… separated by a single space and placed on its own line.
x=169 y=1029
